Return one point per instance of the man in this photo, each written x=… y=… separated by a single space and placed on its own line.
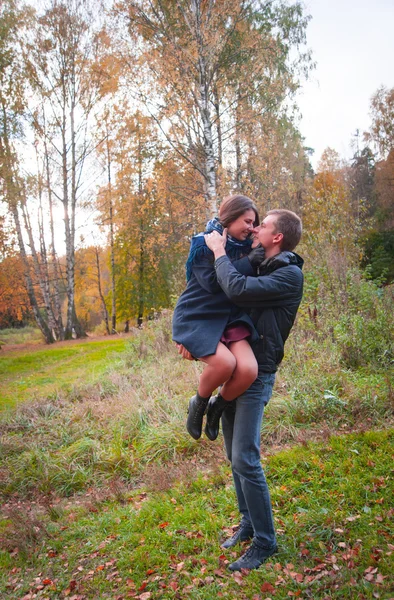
x=272 y=299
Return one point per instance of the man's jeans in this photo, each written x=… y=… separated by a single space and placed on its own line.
x=241 y=423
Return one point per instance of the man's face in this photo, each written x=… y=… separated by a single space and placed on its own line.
x=266 y=232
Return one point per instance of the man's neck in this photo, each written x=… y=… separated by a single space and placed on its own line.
x=270 y=252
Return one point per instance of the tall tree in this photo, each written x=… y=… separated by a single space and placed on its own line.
x=66 y=71
x=14 y=22
x=381 y=132
x=194 y=51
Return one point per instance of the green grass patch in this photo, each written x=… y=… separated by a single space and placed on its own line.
x=27 y=374
x=24 y=335
x=333 y=511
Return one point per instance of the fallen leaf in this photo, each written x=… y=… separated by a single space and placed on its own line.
x=238 y=578
x=163 y=525
x=267 y=587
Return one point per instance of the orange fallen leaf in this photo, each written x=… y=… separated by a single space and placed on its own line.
x=267 y=587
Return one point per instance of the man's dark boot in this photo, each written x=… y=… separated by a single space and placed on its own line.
x=253 y=558
x=216 y=406
x=197 y=406
x=242 y=533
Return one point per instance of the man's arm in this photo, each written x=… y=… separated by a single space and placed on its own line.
x=275 y=289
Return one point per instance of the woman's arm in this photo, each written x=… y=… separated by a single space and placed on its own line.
x=204 y=271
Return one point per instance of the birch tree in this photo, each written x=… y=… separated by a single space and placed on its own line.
x=13 y=192
x=69 y=80
x=205 y=59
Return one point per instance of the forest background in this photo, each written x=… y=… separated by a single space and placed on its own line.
x=139 y=117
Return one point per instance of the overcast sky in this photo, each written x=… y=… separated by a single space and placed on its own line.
x=353 y=44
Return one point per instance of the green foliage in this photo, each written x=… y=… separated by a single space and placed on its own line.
x=365 y=332
x=378 y=254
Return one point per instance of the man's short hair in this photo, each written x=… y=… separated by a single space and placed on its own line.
x=290 y=225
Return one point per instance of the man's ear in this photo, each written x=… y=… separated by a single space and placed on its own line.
x=278 y=238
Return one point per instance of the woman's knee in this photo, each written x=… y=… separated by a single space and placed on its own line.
x=247 y=372
x=226 y=366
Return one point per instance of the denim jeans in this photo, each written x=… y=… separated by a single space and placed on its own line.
x=241 y=424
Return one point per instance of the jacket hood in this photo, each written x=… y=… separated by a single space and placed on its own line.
x=283 y=259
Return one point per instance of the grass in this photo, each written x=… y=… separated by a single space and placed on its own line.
x=332 y=505
x=133 y=416
x=24 y=335
x=28 y=375
x=106 y=496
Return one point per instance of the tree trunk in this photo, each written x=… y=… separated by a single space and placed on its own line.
x=69 y=242
x=142 y=240
x=210 y=166
x=39 y=271
x=238 y=157
x=111 y=241
x=105 y=311
x=13 y=195
x=55 y=265
x=141 y=278
x=218 y=125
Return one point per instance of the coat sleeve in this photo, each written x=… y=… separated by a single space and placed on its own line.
x=205 y=273
x=244 y=267
x=275 y=289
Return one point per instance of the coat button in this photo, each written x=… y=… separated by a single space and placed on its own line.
x=261 y=337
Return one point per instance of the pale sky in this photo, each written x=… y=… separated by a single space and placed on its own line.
x=353 y=44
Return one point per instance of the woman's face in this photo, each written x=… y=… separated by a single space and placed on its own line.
x=241 y=228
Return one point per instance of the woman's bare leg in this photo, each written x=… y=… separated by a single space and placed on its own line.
x=219 y=368
x=244 y=373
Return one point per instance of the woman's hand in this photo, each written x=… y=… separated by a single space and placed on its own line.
x=184 y=353
x=216 y=242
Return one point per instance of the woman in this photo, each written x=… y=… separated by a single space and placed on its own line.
x=207 y=324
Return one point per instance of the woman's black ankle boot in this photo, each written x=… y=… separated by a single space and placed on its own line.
x=216 y=407
x=197 y=407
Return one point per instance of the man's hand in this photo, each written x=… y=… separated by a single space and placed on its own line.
x=216 y=242
x=256 y=257
x=184 y=353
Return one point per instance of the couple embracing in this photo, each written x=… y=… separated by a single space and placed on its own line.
x=244 y=288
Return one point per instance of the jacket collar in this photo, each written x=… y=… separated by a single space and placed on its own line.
x=283 y=259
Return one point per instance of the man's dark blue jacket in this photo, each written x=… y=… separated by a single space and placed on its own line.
x=271 y=299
